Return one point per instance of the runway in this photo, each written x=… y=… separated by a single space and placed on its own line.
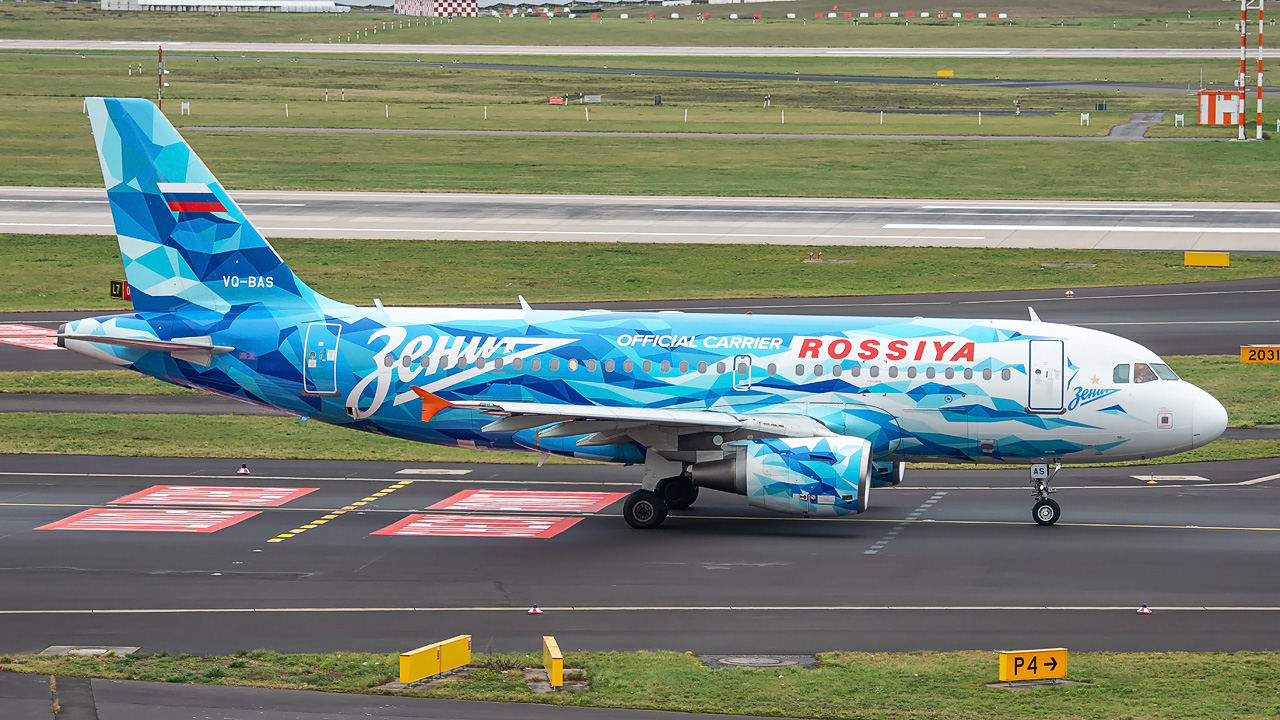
x=814 y=222
x=1207 y=318
x=948 y=560
x=1223 y=53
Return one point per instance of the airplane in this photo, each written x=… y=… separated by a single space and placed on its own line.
x=801 y=415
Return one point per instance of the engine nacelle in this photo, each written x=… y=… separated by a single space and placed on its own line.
x=885 y=472
x=814 y=477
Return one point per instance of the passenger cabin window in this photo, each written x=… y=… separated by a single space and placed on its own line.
x=1164 y=371
x=1005 y=374
x=1142 y=373
x=773 y=368
x=720 y=368
x=516 y=363
x=702 y=367
x=646 y=366
x=627 y=365
x=1120 y=375
x=608 y=365
x=591 y=365
x=684 y=367
x=573 y=364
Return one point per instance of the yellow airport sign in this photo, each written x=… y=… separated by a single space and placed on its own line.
x=946 y=73
x=435 y=658
x=1048 y=663
x=1206 y=259
x=553 y=661
x=1260 y=353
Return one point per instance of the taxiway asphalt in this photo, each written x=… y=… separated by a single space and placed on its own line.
x=948 y=560
x=1187 y=319
x=810 y=222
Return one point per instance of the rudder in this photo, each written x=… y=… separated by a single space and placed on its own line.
x=184 y=241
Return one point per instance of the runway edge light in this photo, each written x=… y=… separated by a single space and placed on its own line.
x=1023 y=665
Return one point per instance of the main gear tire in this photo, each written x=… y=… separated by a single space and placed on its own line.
x=644 y=510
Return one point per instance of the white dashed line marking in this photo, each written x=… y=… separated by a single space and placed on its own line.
x=915 y=515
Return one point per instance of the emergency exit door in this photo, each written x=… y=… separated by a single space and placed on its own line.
x=1046 y=377
x=320 y=359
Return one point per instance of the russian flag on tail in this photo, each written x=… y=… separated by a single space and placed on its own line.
x=190 y=198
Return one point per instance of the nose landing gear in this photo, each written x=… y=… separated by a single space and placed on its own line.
x=1045 y=511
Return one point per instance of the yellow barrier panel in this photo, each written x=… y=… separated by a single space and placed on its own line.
x=435 y=658
x=553 y=661
x=1206 y=259
x=946 y=73
x=1033 y=664
x=1260 y=353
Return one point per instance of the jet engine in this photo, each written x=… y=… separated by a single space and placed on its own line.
x=813 y=477
x=886 y=472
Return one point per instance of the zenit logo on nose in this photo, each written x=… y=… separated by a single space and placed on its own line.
x=872 y=348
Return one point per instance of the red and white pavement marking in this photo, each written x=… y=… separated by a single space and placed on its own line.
x=506 y=526
x=213 y=495
x=152 y=520
x=29 y=336
x=529 y=501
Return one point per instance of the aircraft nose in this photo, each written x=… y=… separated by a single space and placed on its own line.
x=1209 y=419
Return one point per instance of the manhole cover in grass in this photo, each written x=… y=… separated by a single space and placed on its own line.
x=758 y=661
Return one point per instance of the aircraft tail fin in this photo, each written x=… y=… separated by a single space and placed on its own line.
x=185 y=243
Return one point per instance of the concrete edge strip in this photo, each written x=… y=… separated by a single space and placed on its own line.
x=657 y=608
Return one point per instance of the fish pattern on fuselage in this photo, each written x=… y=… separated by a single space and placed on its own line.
x=931 y=408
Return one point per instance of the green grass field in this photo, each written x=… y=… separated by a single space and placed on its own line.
x=43 y=134
x=72 y=272
x=1170 y=28
x=893 y=686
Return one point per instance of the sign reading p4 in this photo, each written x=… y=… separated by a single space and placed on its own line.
x=1042 y=664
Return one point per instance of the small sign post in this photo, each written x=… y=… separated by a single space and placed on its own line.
x=1260 y=353
x=1022 y=665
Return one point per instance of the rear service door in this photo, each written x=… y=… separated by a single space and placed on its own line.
x=320 y=361
x=1045 y=374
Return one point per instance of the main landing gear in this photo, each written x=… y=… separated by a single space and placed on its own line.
x=645 y=509
x=1045 y=511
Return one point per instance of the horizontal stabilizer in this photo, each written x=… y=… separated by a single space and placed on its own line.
x=198 y=350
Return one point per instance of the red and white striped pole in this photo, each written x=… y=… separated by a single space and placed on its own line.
x=1244 y=30
x=1261 y=7
x=160 y=77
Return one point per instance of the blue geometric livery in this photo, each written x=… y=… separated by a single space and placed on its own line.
x=799 y=414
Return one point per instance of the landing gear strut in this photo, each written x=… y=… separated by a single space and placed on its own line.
x=644 y=510
x=678 y=492
x=1045 y=511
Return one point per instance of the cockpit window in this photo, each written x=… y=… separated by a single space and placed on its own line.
x=1120 y=374
x=1164 y=371
x=1142 y=373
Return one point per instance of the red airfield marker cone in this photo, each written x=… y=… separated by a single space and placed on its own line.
x=244 y=469
x=536 y=611
x=1144 y=610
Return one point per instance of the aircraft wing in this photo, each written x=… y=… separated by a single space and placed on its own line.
x=605 y=425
